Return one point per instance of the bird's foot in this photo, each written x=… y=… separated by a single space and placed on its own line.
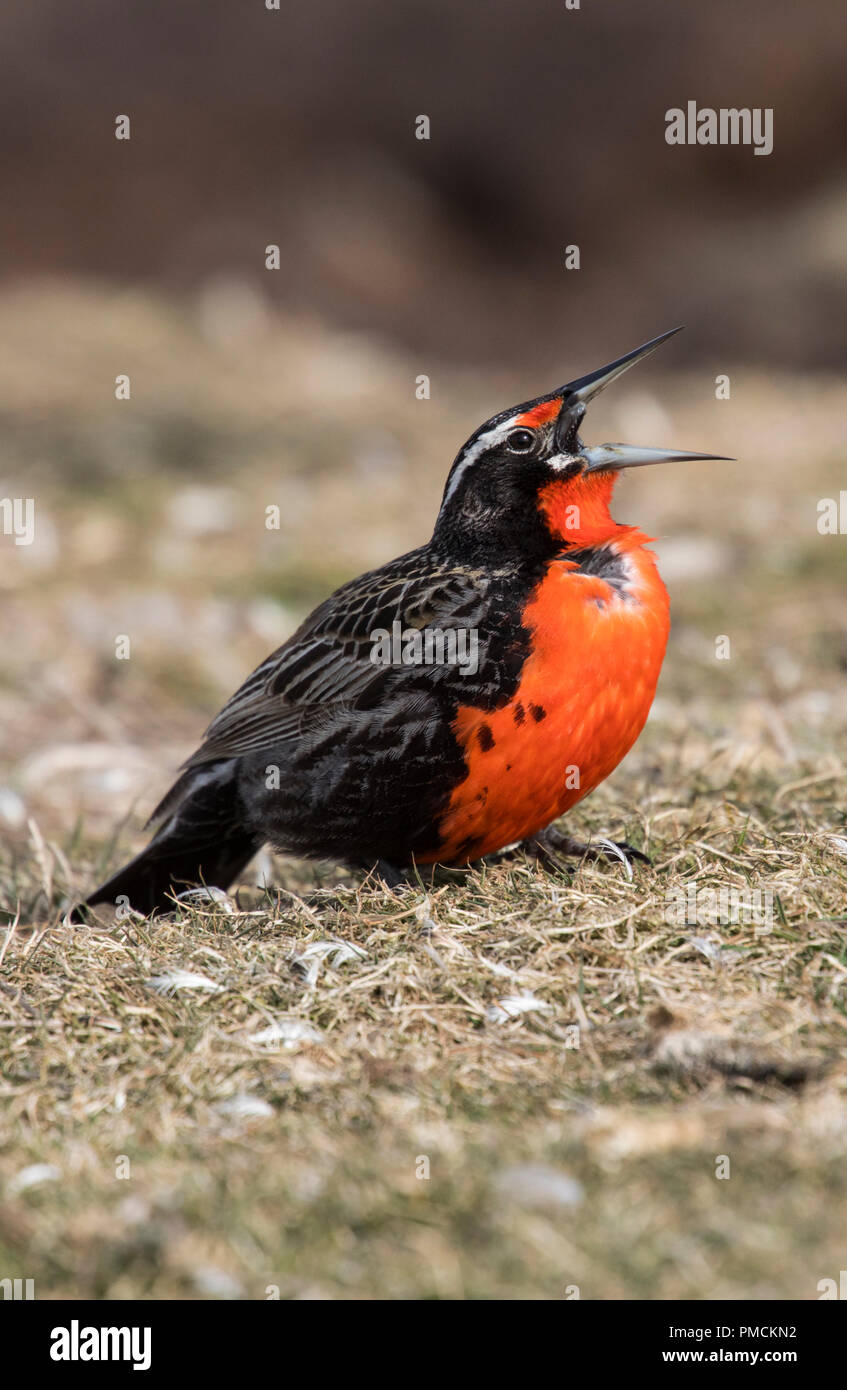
x=551 y=846
x=397 y=876
x=392 y=876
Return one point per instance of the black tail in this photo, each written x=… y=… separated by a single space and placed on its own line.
x=204 y=840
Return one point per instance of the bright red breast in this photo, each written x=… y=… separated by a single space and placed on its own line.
x=584 y=694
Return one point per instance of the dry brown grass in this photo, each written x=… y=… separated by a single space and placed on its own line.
x=572 y=1136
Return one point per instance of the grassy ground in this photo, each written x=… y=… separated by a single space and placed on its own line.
x=511 y=1082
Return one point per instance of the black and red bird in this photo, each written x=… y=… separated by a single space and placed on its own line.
x=332 y=750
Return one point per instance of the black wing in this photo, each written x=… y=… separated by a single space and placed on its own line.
x=326 y=667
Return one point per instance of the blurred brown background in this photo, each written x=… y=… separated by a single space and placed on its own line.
x=296 y=127
x=296 y=388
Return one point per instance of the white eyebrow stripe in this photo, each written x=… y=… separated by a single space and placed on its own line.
x=484 y=442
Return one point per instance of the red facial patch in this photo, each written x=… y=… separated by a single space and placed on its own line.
x=540 y=414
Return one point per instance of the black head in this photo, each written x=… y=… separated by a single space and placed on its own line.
x=491 y=498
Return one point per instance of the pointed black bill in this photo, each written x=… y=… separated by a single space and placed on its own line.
x=611 y=457
x=585 y=388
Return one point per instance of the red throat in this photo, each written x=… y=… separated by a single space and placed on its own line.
x=577 y=511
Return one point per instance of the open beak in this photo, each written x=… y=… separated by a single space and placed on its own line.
x=610 y=457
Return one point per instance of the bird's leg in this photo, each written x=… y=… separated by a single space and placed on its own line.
x=394 y=876
x=390 y=874
x=601 y=847
x=551 y=846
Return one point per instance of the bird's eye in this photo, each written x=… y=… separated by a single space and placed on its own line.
x=520 y=441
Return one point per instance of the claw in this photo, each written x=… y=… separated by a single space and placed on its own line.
x=549 y=844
